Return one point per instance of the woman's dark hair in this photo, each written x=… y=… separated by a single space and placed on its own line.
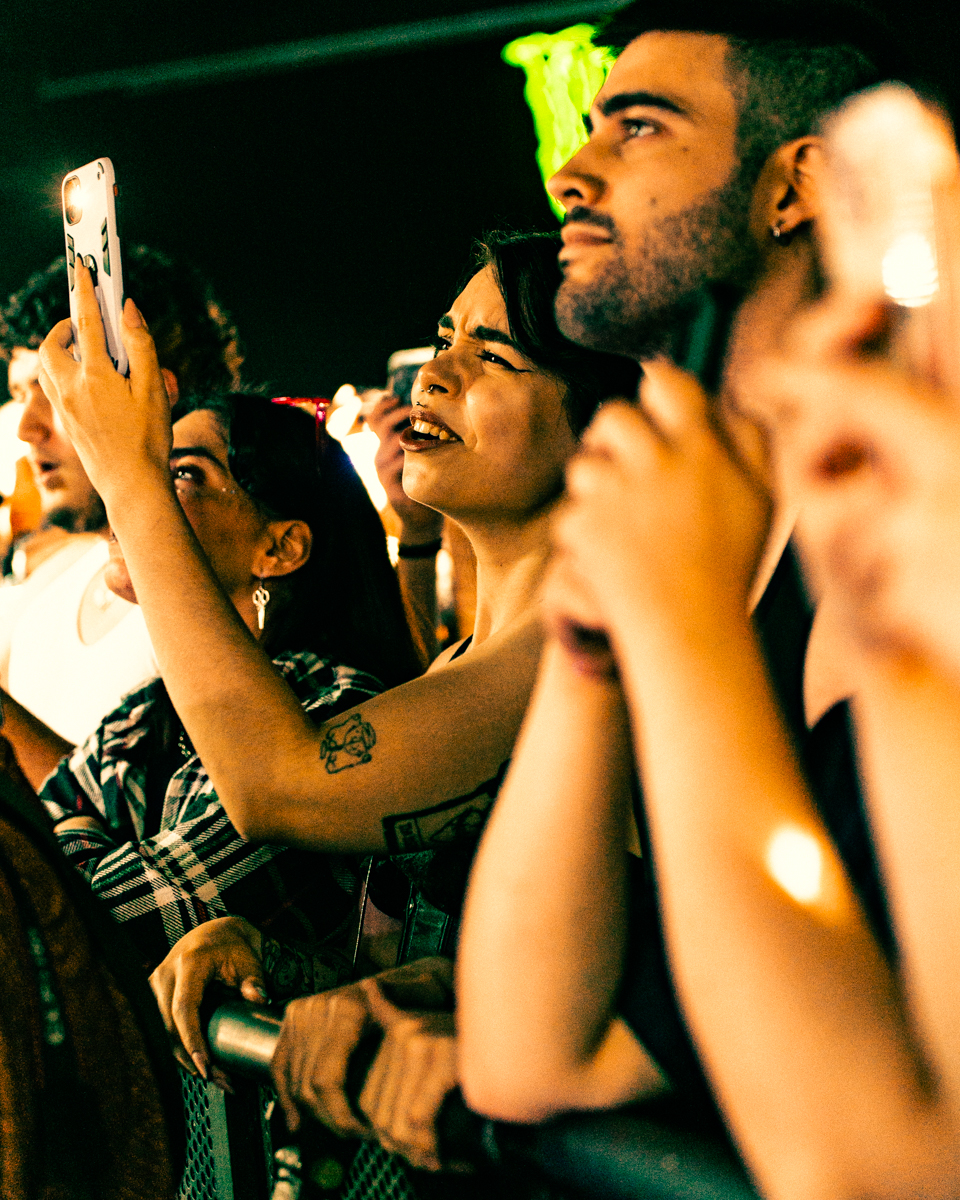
x=344 y=602
x=528 y=275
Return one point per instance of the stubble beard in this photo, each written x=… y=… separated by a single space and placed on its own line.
x=91 y=518
x=637 y=304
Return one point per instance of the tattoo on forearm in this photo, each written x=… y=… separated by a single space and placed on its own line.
x=456 y=820
x=347 y=744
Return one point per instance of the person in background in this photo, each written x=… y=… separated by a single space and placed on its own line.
x=69 y=647
x=133 y=807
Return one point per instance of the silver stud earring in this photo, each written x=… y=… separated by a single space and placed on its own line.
x=261 y=598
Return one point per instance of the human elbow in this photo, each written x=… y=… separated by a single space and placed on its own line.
x=253 y=817
x=506 y=1092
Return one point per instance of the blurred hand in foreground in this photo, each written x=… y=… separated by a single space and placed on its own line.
x=873 y=457
x=413 y=1069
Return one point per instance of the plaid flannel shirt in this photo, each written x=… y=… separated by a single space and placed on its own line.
x=164 y=877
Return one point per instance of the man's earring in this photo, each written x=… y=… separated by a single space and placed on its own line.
x=261 y=598
x=780 y=235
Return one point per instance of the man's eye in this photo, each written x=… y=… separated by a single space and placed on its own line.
x=638 y=127
x=440 y=343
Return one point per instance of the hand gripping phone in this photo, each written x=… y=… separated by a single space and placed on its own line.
x=890 y=223
x=90 y=229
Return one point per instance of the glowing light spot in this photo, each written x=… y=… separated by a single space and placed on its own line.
x=795 y=861
x=910 y=271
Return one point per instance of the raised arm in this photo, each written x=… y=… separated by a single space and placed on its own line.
x=541 y=949
x=795 y=1012
x=436 y=744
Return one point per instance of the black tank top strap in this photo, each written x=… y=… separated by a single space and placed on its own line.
x=462 y=648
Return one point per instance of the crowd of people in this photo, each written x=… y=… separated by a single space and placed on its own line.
x=676 y=817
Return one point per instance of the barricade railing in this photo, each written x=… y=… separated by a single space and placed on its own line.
x=620 y=1155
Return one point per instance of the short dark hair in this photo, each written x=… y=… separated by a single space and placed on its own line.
x=344 y=602
x=790 y=61
x=195 y=337
x=528 y=275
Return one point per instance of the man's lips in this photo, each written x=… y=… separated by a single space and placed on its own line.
x=583 y=235
x=44 y=470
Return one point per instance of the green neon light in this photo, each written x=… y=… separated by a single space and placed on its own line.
x=564 y=72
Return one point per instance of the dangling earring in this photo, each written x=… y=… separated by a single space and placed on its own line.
x=261 y=598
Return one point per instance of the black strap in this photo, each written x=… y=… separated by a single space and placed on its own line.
x=462 y=648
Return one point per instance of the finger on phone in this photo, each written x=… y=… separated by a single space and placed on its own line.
x=91 y=337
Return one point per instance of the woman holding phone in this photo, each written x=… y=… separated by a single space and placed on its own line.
x=496 y=415
x=134 y=809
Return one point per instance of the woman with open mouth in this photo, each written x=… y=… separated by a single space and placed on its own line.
x=496 y=415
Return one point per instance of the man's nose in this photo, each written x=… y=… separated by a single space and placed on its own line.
x=36 y=423
x=575 y=184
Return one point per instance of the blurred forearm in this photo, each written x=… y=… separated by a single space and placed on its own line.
x=38 y=749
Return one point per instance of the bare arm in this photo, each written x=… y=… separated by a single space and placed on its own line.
x=541 y=949
x=38 y=749
x=438 y=740
x=908 y=714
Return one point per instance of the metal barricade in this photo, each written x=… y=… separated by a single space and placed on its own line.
x=229 y=1155
x=619 y=1155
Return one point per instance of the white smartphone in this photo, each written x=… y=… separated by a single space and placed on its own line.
x=890 y=224
x=90 y=228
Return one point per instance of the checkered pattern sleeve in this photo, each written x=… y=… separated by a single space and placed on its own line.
x=198 y=867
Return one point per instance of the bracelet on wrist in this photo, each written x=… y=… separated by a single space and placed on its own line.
x=419 y=550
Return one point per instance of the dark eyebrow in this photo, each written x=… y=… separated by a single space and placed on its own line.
x=622 y=100
x=483 y=333
x=196 y=452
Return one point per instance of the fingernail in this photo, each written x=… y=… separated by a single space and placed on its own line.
x=202 y=1064
x=131 y=315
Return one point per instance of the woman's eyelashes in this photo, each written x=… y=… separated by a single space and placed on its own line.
x=489 y=356
x=190 y=478
x=441 y=343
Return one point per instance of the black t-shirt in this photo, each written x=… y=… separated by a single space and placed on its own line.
x=647 y=1000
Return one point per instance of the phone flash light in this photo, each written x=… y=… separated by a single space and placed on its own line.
x=73 y=200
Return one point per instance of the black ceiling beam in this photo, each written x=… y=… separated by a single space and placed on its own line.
x=336 y=47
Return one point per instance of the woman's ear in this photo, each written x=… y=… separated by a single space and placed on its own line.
x=787 y=194
x=172 y=385
x=287 y=546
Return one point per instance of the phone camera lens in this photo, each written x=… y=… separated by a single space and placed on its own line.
x=72 y=197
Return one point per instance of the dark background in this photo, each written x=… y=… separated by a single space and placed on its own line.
x=333 y=206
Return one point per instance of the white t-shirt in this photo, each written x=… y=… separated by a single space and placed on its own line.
x=70 y=686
